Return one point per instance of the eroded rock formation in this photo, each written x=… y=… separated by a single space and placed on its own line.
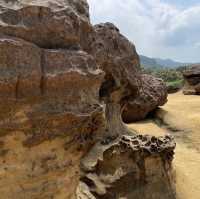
x=152 y=93
x=49 y=24
x=129 y=167
x=49 y=105
x=63 y=87
x=192 y=80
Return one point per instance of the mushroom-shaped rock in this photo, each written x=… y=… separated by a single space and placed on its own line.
x=118 y=58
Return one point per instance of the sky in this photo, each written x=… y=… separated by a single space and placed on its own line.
x=158 y=28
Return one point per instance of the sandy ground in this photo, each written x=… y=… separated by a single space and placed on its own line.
x=181 y=118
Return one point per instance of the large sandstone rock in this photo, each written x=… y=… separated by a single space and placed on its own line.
x=192 y=80
x=49 y=23
x=49 y=108
x=20 y=68
x=63 y=87
x=153 y=93
x=118 y=58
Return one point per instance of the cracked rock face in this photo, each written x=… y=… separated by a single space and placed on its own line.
x=50 y=112
x=63 y=87
x=50 y=115
x=20 y=68
x=49 y=23
x=153 y=93
x=192 y=80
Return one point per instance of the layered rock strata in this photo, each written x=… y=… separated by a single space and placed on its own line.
x=192 y=80
x=49 y=106
x=49 y=24
x=63 y=87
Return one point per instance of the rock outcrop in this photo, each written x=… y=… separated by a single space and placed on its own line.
x=49 y=90
x=117 y=57
x=152 y=93
x=49 y=109
x=49 y=24
x=192 y=80
x=129 y=167
x=63 y=87
x=138 y=94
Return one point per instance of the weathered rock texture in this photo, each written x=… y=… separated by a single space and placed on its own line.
x=117 y=57
x=129 y=167
x=63 y=87
x=152 y=93
x=192 y=80
x=49 y=107
x=49 y=24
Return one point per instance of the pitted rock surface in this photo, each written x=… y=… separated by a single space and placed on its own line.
x=119 y=169
x=152 y=94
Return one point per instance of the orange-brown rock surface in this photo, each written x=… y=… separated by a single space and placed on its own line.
x=49 y=109
x=192 y=80
x=63 y=87
x=49 y=24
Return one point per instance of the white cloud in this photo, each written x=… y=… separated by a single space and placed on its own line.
x=158 y=29
x=197 y=45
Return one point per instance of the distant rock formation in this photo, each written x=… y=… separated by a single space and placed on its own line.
x=152 y=93
x=63 y=87
x=192 y=80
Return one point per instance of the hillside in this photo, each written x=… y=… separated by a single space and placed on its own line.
x=169 y=63
x=148 y=62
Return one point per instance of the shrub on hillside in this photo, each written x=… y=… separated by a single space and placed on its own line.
x=172 y=77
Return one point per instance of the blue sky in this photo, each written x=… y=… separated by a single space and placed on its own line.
x=182 y=3
x=158 y=28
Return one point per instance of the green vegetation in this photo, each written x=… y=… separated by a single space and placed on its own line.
x=176 y=83
x=172 y=77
